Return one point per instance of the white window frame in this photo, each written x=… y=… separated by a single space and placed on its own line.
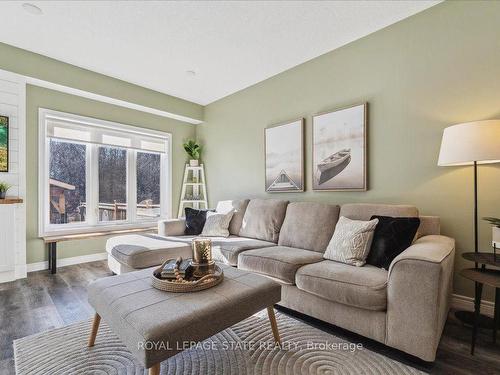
x=92 y=180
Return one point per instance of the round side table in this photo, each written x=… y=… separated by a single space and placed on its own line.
x=482 y=276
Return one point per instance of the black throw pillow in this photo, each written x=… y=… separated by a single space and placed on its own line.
x=392 y=236
x=195 y=220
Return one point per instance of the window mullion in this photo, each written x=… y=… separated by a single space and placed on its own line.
x=164 y=186
x=131 y=185
x=93 y=185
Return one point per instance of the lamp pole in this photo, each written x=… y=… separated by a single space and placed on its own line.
x=476 y=224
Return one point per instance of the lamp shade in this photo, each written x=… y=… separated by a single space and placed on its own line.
x=464 y=144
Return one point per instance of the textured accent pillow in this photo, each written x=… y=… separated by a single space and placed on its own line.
x=392 y=236
x=217 y=224
x=351 y=241
x=239 y=207
x=195 y=220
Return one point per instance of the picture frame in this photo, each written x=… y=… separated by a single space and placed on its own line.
x=284 y=157
x=4 y=143
x=339 y=148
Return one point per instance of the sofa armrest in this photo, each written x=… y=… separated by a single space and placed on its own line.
x=418 y=294
x=171 y=227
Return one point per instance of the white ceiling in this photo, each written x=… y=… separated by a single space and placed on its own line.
x=230 y=45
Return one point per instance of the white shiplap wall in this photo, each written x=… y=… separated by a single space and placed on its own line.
x=13 y=217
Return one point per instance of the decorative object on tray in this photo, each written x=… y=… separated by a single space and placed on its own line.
x=193 y=149
x=173 y=268
x=3 y=189
x=4 y=144
x=284 y=157
x=339 y=149
x=202 y=256
x=185 y=280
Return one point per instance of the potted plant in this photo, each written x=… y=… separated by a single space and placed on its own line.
x=193 y=149
x=3 y=189
x=495 y=222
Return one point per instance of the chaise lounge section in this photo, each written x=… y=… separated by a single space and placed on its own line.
x=404 y=307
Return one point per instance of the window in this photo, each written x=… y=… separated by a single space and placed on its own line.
x=67 y=181
x=98 y=175
x=148 y=185
x=113 y=184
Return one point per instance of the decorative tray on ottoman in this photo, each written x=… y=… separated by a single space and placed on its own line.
x=214 y=276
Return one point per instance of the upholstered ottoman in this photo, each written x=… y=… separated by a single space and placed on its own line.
x=155 y=325
x=129 y=252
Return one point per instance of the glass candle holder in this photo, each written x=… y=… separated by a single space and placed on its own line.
x=202 y=251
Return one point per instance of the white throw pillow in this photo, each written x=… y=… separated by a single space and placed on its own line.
x=351 y=241
x=217 y=224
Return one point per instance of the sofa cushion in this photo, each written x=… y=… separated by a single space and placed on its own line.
x=226 y=250
x=279 y=262
x=364 y=287
x=364 y=211
x=145 y=250
x=238 y=207
x=308 y=225
x=263 y=219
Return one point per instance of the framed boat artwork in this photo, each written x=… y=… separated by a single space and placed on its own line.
x=339 y=149
x=284 y=157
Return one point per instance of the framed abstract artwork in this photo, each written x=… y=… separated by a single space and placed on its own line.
x=339 y=149
x=4 y=144
x=284 y=157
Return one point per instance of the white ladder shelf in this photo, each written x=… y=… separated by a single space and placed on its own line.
x=195 y=178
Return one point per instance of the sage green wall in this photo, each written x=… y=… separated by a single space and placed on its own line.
x=434 y=69
x=41 y=67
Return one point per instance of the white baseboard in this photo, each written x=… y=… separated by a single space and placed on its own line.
x=459 y=302
x=21 y=271
x=39 y=266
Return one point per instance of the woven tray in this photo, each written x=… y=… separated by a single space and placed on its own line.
x=185 y=286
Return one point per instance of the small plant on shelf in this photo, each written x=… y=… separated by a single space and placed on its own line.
x=495 y=221
x=3 y=189
x=193 y=149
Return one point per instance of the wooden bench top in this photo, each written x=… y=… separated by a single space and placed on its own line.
x=84 y=236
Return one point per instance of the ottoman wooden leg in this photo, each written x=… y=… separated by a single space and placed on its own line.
x=274 y=325
x=95 y=328
x=155 y=370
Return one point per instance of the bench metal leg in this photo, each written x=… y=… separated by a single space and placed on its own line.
x=52 y=257
x=155 y=370
x=95 y=328
x=274 y=324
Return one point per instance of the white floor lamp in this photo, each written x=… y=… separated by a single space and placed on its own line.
x=471 y=143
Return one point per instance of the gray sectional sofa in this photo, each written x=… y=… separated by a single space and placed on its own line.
x=405 y=307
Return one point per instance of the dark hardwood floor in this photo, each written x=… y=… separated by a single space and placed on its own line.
x=42 y=302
